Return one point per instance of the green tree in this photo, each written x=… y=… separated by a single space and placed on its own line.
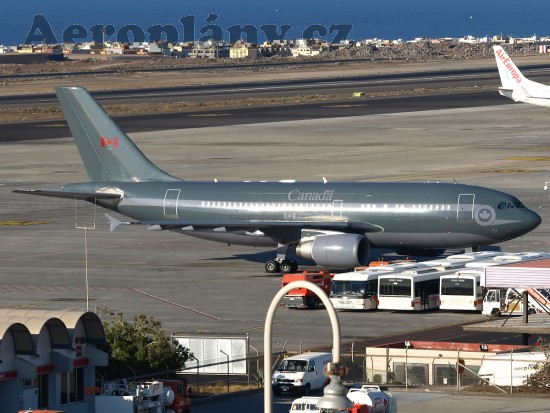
x=141 y=346
x=540 y=380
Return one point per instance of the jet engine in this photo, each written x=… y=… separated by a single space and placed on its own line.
x=335 y=251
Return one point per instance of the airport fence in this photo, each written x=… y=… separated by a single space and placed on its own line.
x=384 y=369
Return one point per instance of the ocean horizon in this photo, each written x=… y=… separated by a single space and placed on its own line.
x=391 y=19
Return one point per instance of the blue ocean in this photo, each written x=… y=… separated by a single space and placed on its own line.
x=388 y=19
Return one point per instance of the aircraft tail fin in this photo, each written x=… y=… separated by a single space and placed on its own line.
x=514 y=84
x=107 y=152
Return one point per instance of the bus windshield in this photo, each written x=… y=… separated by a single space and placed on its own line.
x=457 y=286
x=363 y=289
x=395 y=286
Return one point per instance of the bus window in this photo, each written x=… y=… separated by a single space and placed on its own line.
x=395 y=286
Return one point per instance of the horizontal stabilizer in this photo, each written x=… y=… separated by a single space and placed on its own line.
x=85 y=196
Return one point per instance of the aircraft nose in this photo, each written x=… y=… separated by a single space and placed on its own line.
x=527 y=222
x=533 y=220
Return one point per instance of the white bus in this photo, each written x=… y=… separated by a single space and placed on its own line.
x=464 y=289
x=459 y=261
x=413 y=290
x=358 y=290
x=461 y=291
x=506 y=258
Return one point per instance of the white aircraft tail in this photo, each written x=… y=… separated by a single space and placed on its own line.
x=514 y=85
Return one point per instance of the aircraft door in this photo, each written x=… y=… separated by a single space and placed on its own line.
x=465 y=211
x=337 y=208
x=171 y=203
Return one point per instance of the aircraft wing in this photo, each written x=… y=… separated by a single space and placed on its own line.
x=253 y=225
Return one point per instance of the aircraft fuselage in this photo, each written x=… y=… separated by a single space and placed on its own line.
x=412 y=215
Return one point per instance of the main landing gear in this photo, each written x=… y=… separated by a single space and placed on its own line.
x=281 y=263
x=284 y=266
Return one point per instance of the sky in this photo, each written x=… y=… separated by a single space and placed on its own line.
x=385 y=19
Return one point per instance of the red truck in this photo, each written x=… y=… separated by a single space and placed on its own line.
x=302 y=298
x=180 y=402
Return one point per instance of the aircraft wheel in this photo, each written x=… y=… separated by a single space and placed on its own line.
x=272 y=267
x=294 y=265
x=287 y=267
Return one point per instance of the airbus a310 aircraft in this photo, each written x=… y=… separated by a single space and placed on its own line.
x=333 y=224
x=516 y=86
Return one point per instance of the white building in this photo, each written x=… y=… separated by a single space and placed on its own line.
x=48 y=359
x=208 y=50
x=242 y=50
x=430 y=363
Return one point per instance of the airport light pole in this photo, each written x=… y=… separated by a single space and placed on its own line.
x=227 y=355
x=198 y=365
x=85 y=228
x=407 y=345
x=334 y=398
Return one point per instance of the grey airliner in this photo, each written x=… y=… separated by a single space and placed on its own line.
x=333 y=224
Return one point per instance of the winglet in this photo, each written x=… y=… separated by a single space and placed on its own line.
x=113 y=222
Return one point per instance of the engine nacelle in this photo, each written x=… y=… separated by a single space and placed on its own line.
x=335 y=251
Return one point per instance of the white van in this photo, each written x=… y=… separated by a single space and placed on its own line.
x=300 y=374
x=510 y=369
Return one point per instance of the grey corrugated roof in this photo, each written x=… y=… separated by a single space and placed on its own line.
x=91 y=322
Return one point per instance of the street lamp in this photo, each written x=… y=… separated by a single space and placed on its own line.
x=334 y=398
x=198 y=365
x=227 y=355
x=407 y=345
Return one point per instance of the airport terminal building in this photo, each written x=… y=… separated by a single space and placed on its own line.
x=48 y=359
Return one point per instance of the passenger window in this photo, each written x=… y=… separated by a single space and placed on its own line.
x=311 y=366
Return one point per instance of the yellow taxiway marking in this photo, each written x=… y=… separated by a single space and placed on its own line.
x=22 y=223
x=514 y=171
x=345 y=106
x=211 y=114
x=53 y=125
x=529 y=158
x=261 y=327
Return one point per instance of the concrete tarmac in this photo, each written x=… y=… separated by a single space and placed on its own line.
x=197 y=286
x=412 y=401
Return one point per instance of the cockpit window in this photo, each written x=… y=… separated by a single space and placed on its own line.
x=510 y=205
